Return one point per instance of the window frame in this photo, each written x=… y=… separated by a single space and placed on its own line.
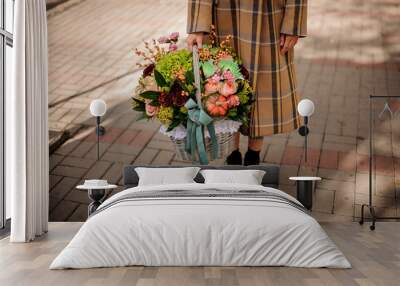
x=6 y=39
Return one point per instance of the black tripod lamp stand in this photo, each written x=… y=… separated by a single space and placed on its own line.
x=305 y=108
x=98 y=108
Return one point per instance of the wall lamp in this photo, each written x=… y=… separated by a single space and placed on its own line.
x=98 y=108
x=305 y=108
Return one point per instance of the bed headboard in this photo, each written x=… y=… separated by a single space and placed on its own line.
x=271 y=177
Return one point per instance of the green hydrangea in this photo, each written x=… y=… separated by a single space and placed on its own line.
x=183 y=110
x=165 y=115
x=171 y=63
x=244 y=93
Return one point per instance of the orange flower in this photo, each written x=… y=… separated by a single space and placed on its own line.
x=233 y=101
x=217 y=105
x=228 y=88
x=211 y=87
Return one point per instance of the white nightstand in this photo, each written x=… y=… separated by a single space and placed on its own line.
x=96 y=194
x=305 y=186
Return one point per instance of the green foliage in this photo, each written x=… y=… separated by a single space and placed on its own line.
x=175 y=122
x=243 y=98
x=155 y=103
x=138 y=105
x=189 y=75
x=232 y=113
x=150 y=95
x=160 y=80
x=180 y=117
x=208 y=68
x=244 y=92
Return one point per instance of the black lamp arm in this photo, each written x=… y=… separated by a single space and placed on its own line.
x=100 y=130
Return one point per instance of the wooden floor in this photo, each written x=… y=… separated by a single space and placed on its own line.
x=375 y=257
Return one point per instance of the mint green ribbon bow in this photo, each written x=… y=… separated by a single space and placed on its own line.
x=197 y=120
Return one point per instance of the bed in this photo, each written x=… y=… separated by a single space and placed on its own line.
x=197 y=224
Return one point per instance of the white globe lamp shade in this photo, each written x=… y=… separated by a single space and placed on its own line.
x=306 y=108
x=98 y=107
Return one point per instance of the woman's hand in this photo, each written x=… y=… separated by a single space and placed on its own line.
x=195 y=39
x=287 y=42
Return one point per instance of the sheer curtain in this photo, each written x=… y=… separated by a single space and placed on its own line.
x=27 y=156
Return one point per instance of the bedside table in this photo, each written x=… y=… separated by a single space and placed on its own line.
x=96 y=194
x=305 y=186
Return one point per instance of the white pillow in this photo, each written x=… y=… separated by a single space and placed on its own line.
x=247 y=177
x=166 y=176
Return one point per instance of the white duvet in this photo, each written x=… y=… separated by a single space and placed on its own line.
x=200 y=231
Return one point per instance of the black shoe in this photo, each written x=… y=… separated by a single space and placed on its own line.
x=252 y=158
x=235 y=158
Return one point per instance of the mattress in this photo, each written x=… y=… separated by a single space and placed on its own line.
x=201 y=225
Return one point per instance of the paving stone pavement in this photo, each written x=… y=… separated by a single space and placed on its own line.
x=353 y=50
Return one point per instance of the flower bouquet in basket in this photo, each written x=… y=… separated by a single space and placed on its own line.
x=201 y=98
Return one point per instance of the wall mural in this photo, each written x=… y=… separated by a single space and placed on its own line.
x=93 y=56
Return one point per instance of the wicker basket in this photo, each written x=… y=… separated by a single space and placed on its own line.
x=226 y=144
x=225 y=140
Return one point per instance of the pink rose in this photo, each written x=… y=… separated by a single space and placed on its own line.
x=228 y=76
x=173 y=47
x=151 y=110
x=233 y=101
x=211 y=87
x=228 y=88
x=216 y=77
x=174 y=36
x=163 y=40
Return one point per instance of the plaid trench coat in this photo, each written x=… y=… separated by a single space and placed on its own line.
x=256 y=26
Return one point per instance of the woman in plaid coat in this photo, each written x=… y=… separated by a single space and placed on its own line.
x=264 y=35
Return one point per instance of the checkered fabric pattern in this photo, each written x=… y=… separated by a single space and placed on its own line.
x=256 y=26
